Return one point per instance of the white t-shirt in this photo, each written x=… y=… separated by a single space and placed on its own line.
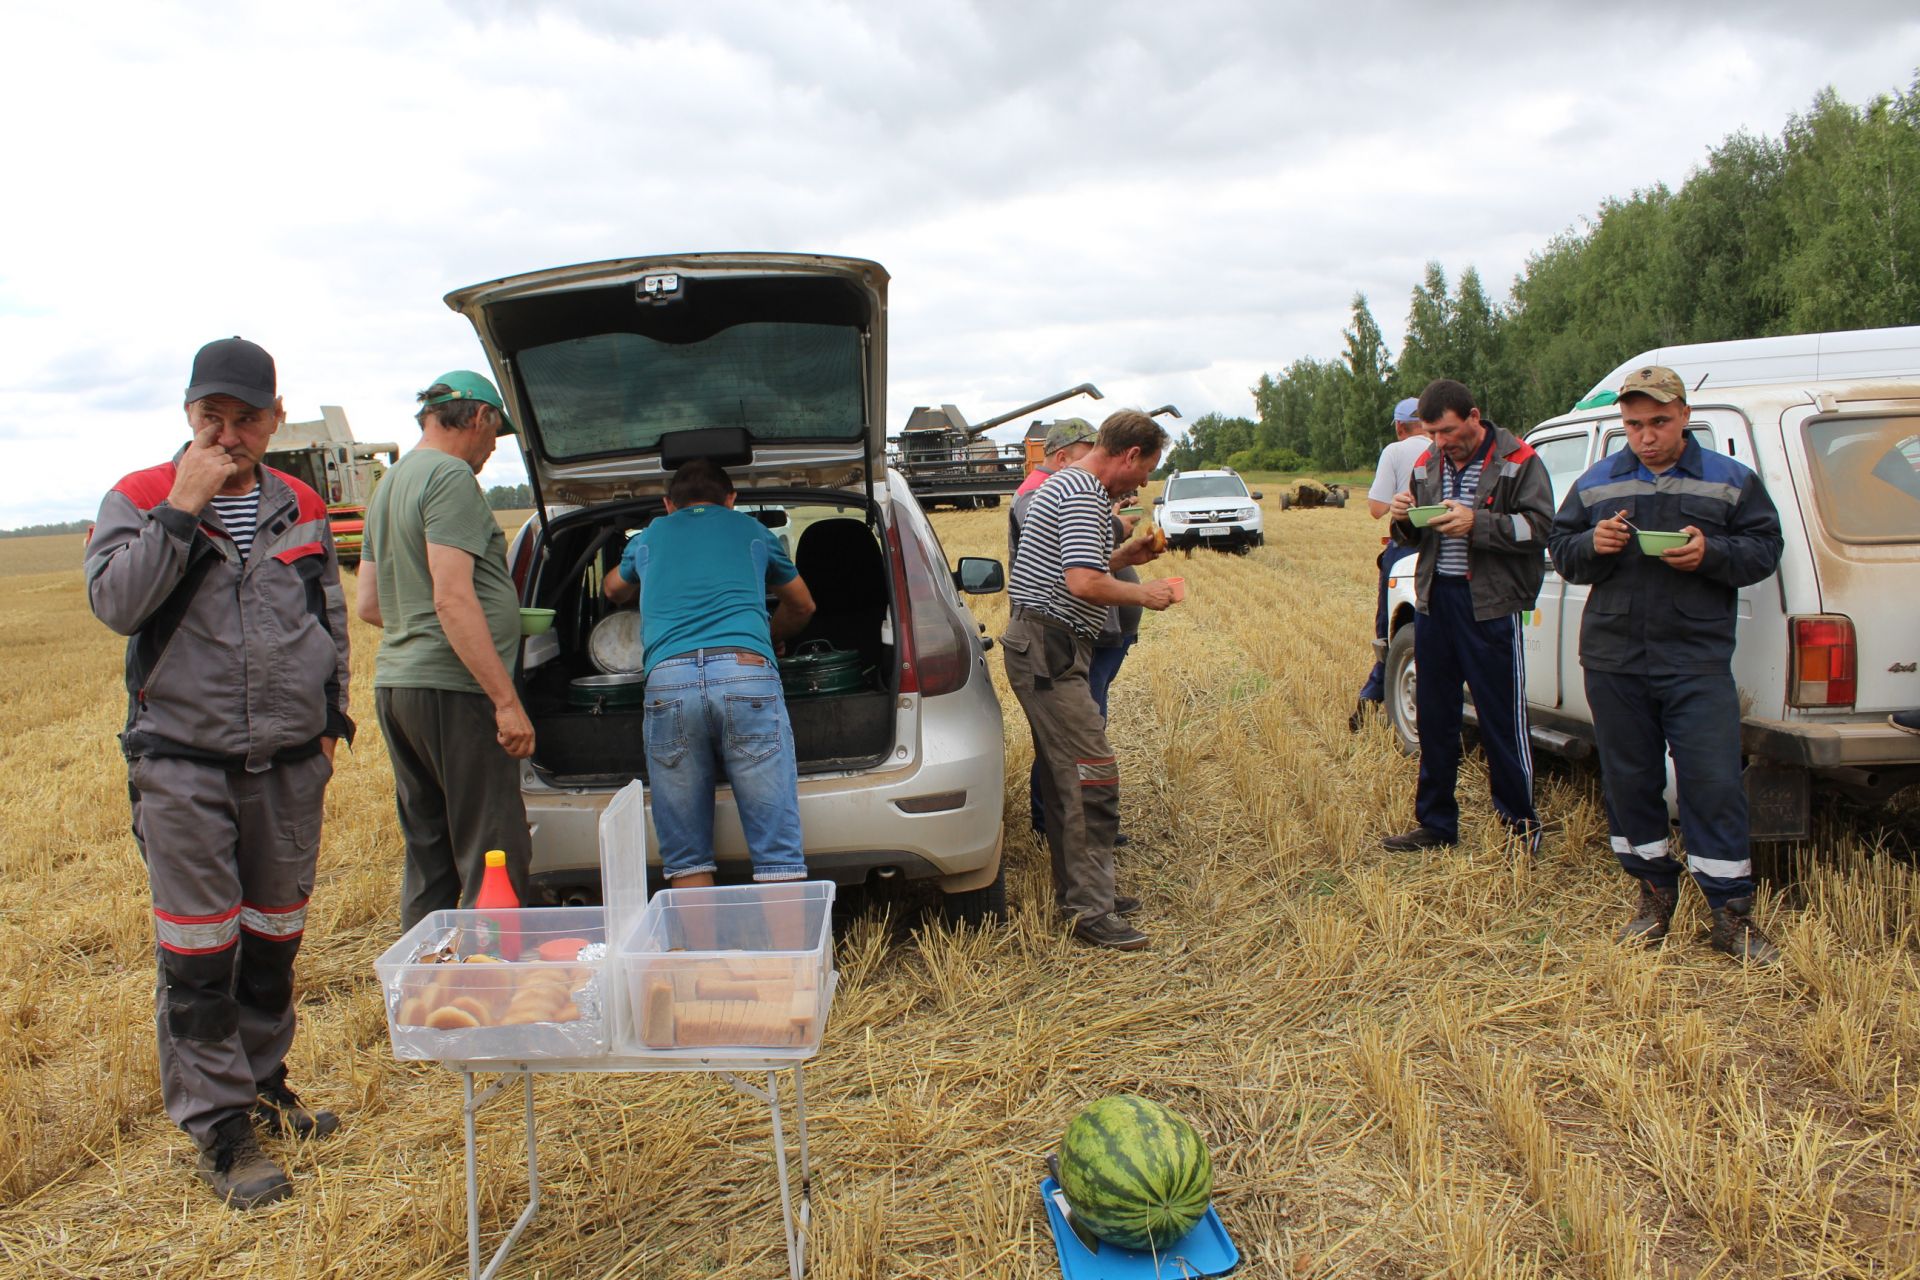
x=1395 y=471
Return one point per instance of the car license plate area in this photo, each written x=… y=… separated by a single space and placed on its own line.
x=1215 y=530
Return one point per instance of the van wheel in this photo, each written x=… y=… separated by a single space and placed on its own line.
x=1402 y=711
x=977 y=907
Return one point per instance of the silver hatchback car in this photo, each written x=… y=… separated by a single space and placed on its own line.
x=774 y=365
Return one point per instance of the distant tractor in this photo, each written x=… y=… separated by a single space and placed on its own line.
x=341 y=471
x=1312 y=493
x=946 y=460
x=1036 y=438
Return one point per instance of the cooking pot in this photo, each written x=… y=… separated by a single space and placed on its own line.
x=613 y=646
x=816 y=669
x=616 y=692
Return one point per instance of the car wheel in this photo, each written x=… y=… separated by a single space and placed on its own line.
x=1402 y=711
x=977 y=907
x=1338 y=500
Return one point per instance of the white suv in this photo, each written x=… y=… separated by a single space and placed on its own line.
x=1827 y=646
x=773 y=365
x=1210 y=509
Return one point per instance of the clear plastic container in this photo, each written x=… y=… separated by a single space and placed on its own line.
x=447 y=1002
x=732 y=968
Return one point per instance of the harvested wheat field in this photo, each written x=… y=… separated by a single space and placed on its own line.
x=1431 y=1066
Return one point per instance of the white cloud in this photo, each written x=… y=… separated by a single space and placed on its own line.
x=1165 y=200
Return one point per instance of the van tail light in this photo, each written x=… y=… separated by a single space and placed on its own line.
x=523 y=560
x=1822 y=670
x=933 y=651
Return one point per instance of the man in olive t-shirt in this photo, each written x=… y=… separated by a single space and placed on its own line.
x=433 y=576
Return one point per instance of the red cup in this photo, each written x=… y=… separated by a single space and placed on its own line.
x=1179 y=586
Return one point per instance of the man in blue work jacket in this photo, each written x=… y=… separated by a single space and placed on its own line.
x=1656 y=642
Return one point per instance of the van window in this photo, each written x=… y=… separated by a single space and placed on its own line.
x=1866 y=477
x=1564 y=457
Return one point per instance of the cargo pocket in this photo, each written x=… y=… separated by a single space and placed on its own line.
x=666 y=736
x=1059 y=649
x=752 y=726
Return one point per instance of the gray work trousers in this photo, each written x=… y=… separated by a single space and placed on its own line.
x=458 y=793
x=1079 y=779
x=230 y=859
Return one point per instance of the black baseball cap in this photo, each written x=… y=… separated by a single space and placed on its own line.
x=233 y=367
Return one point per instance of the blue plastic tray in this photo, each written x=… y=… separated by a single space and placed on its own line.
x=1203 y=1251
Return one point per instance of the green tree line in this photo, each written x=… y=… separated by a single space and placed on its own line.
x=1817 y=229
x=510 y=497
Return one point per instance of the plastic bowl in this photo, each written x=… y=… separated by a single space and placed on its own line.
x=535 y=622
x=1653 y=542
x=1421 y=517
x=1179 y=586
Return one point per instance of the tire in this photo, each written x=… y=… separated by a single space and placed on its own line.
x=1338 y=500
x=978 y=907
x=992 y=500
x=1402 y=711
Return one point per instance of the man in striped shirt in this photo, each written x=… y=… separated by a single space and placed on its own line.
x=1061 y=587
x=1481 y=564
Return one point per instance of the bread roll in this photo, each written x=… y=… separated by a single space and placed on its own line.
x=449 y=1018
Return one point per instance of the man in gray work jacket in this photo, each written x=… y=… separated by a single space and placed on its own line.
x=222 y=573
x=1481 y=564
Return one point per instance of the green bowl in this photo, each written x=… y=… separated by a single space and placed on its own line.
x=1421 y=517
x=1653 y=542
x=535 y=622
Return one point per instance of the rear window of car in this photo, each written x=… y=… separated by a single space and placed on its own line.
x=619 y=392
x=1866 y=477
x=1206 y=487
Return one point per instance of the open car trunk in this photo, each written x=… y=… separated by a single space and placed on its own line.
x=582 y=740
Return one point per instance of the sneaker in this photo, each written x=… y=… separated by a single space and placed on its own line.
x=1735 y=933
x=1415 y=840
x=279 y=1111
x=1905 y=721
x=239 y=1172
x=1109 y=931
x=1123 y=905
x=1122 y=840
x=1654 y=915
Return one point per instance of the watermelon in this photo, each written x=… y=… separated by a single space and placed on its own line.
x=1134 y=1173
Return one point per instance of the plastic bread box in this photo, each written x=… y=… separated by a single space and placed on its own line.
x=444 y=1004
x=745 y=967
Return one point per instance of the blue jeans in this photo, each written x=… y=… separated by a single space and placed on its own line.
x=1101 y=670
x=714 y=716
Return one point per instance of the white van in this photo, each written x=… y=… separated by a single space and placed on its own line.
x=1829 y=645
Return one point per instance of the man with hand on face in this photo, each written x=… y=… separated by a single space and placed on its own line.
x=1656 y=642
x=1062 y=584
x=222 y=572
x=1481 y=564
x=433 y=576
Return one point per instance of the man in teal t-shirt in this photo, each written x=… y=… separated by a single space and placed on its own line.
x=433 y=577
x=713 y=704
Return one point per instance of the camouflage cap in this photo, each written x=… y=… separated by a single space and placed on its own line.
x=1068 y=432
x=1655 y=380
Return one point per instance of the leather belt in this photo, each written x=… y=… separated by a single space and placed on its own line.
x=1044 y=619
x=747 y=656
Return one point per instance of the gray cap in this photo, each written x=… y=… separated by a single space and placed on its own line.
x=1068 y=432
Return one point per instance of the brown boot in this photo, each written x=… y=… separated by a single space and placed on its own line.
x=280 y=1111
x=1654 y=915
x=1735 y=933
x=237 y=1170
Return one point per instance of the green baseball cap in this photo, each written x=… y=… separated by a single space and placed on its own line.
x=1068 y=432
x=1655 y=380
x=465 y=384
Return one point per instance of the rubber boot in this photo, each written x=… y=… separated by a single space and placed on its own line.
x=238 y=1170
x=1735 y=933
x=1654 y=915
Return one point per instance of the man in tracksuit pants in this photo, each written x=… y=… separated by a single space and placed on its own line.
x=1481 y=563
x=223 y=573
x=1656 y=641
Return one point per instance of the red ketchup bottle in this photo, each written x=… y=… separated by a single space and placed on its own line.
x=497 y=932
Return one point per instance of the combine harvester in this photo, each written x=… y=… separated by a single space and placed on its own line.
x=947 y=461
x=341 y=471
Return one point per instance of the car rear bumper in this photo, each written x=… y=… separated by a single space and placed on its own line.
x=1830 y=745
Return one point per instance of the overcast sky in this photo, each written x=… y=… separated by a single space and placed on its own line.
x=1165 y=199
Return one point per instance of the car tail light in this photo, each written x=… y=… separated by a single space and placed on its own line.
x=523 y=559
x=934 y=653
x=1822 y=670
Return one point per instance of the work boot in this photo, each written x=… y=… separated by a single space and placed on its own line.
x=1735 y=933
x=1123 y=905
x=1415 y=840
x=1654 y=916
x=239 y=1172
x=1109 y=931
x=279 y=1111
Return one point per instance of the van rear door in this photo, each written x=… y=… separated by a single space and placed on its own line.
x=1862 y=459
